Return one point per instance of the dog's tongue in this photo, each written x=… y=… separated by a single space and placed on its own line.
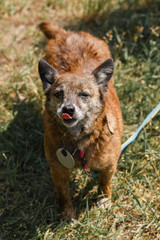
x=66 y=116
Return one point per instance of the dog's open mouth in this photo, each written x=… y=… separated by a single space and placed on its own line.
x=68 y=119
x=70 y=122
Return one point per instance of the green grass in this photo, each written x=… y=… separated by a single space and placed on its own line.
x=28 y=203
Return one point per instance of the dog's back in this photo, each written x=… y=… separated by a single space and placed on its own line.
x=73 y=52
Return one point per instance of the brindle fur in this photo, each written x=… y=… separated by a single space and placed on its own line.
x=75 y=58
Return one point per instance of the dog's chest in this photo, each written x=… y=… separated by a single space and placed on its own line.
x=71 y=157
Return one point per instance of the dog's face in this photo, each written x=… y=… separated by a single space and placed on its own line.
x=75 y=100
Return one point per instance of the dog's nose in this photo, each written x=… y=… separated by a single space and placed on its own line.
x=70 y=109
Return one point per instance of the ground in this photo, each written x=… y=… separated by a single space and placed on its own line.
x=28 y=204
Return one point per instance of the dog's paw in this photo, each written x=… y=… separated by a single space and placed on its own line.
x=68 y=215
x=104 y=203
x=71 y=222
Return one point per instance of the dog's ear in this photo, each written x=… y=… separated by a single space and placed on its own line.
x=103 y=73
x=47 y=74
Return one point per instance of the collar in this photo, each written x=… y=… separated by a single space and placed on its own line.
x=83 y=158
x=84 y=161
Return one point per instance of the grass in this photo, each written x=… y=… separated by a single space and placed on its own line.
x=28 y=204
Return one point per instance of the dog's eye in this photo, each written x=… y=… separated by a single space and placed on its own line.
x=59 y=94
x=84 y=95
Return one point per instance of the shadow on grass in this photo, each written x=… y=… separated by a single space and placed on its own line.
x=28 y=199
x=27 y=192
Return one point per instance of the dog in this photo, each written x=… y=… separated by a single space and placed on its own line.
x=82 y=117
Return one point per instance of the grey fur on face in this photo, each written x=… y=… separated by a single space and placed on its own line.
x=86 y=108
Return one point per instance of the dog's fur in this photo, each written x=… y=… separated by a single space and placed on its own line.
x=77 y=79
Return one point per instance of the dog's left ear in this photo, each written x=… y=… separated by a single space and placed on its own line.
x=103 y=73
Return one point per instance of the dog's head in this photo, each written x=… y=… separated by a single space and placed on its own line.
x=75 y=99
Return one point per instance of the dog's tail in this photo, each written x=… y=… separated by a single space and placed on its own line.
x=50 y=30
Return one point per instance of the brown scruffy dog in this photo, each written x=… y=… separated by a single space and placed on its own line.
x=82 y=118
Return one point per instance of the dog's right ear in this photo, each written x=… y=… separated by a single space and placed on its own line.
x=47 y=74
x=103 y=73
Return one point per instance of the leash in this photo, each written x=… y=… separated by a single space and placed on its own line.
x=147 y=119
x=134 y=136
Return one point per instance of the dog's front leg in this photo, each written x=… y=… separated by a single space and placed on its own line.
x=60 y=177
x=105 y=185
